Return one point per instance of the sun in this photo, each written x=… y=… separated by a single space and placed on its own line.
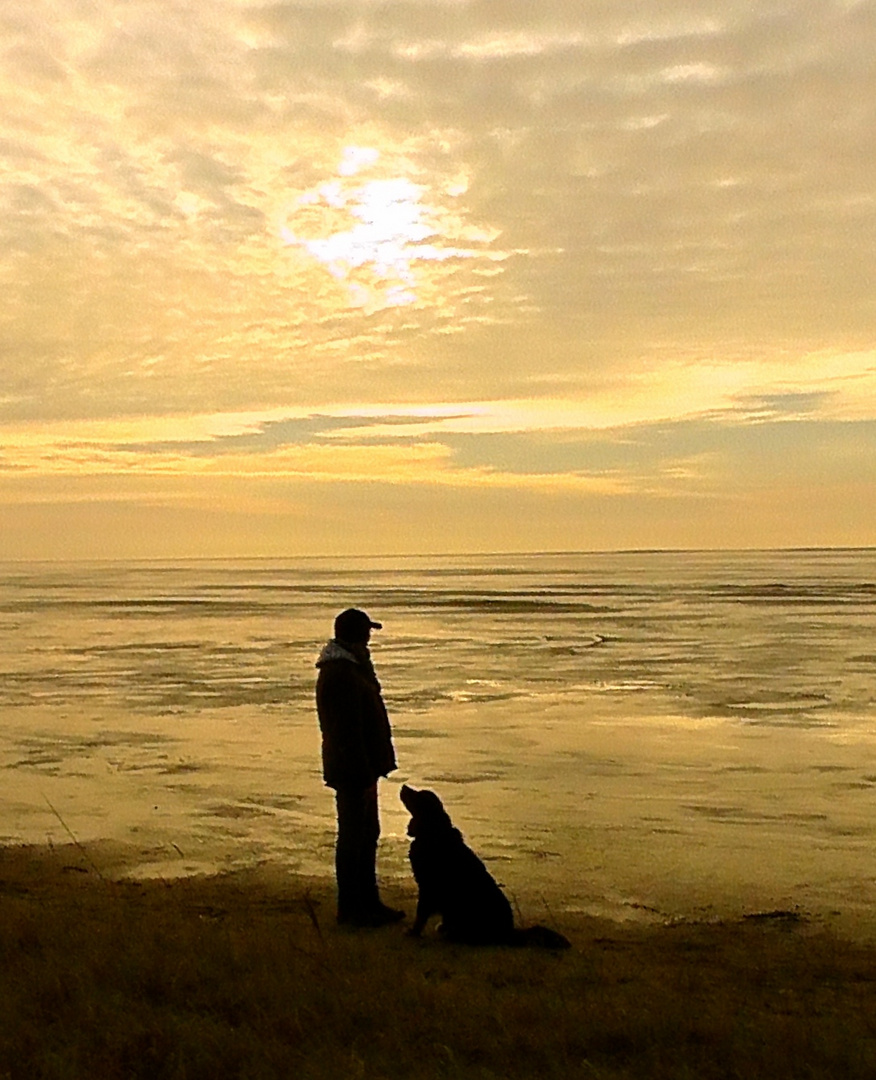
x=378 y=232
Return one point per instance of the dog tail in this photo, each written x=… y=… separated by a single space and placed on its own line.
x=541 y=937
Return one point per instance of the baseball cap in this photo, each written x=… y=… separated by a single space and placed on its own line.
x=353 y=624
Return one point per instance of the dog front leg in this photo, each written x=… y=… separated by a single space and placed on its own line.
x=424 y=910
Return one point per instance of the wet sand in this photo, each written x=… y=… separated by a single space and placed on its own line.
x=629 y=818
x=676 y=735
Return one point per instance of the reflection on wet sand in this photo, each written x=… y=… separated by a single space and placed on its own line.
x=618 y=733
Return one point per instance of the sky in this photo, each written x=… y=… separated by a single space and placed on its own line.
x=414 y=276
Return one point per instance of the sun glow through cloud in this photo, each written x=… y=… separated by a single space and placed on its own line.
x=378 y=236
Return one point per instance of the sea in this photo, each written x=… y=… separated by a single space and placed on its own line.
x=648 y=734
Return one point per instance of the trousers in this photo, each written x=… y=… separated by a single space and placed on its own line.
x=356 y=851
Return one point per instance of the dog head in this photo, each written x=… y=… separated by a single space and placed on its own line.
x=427 y=812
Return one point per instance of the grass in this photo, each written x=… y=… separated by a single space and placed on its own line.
x=247 y=976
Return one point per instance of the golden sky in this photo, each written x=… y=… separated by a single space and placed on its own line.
x=437 y=275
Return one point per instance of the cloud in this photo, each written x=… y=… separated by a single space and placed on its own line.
x=786 y=405
x=684 y=429
x=506 y=227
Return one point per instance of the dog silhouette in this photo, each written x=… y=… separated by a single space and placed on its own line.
x=454 y=883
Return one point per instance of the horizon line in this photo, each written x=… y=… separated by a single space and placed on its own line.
x=795 y=549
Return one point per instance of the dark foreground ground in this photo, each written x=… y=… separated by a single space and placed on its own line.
x=247 y=976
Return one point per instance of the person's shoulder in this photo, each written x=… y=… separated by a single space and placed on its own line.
x=333 y=654
x=338 y=668
x=339 y=673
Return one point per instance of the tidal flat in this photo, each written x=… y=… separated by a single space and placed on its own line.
x=691 y=732
x=246 y=975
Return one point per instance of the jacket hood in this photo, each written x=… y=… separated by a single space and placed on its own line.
x=333 y=651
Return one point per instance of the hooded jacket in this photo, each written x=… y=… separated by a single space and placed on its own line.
x=356 y=739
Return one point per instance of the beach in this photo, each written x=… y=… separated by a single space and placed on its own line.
x=671 y=761
x=675 y=735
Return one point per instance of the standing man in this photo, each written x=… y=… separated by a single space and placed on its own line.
x=356 y=751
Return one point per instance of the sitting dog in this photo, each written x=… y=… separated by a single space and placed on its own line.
x=454 y=883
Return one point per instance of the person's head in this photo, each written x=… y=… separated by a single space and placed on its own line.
x=355 y=626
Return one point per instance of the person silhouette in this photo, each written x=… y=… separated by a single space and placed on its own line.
x=357 y=751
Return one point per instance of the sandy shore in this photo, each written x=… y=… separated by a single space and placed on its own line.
x=49 y=871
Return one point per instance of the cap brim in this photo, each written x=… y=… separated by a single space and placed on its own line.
x=376 y=625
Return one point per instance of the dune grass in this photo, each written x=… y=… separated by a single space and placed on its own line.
x=247 y=976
